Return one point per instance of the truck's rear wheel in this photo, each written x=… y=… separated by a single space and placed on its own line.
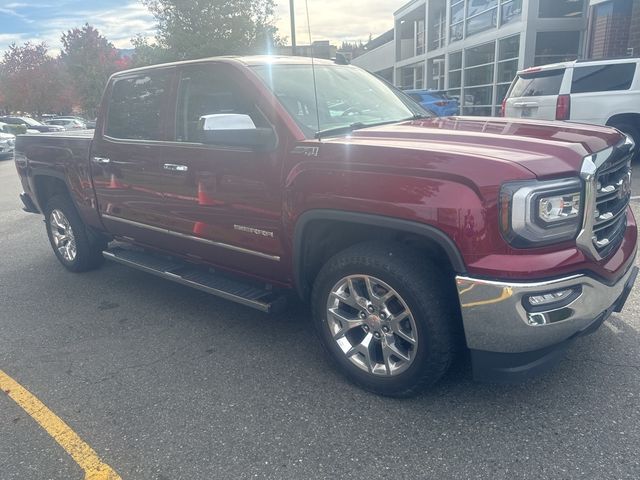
x=76 y=248
x=384 y=315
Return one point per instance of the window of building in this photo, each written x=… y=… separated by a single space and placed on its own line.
x=603 y=78
x=420 y=37
x=481 y=15
x=510 y=11
x=508 y=52
x=456 y=31
x=479 y=64
x=560 y=8
x=455 y=74
x=553 y=47
x=437 y=30
x=135 y=106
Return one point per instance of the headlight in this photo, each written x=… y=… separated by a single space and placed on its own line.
x=537 y=213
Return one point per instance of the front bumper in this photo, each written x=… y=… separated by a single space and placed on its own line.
x=510 y=339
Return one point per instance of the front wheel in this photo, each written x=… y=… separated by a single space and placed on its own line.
x=386 y=317
x=77 y=248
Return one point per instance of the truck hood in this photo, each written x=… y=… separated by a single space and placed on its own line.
x=544 y=148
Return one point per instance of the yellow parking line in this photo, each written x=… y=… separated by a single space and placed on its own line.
x=83 y=454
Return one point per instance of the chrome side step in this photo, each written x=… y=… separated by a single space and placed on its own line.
x=192 y=276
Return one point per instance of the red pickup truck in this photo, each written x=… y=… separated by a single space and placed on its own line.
x=406 y=233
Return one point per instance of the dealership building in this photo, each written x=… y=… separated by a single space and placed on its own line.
x=473 y=48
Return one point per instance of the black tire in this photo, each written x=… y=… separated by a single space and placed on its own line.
x=632 y=131
x=88 y=246
x=424 y=288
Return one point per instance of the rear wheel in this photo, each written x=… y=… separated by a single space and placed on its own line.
x=384 y=315
x=77 y=248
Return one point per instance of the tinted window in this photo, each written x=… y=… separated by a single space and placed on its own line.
x=603 y=78
x=207 y=90
x=560 y=8
x=135 y=106
x=538 y=84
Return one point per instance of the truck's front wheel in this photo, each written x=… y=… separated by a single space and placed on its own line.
x=385 y=316
x=76 y=248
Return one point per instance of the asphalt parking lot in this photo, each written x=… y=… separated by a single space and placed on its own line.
x=164 y=382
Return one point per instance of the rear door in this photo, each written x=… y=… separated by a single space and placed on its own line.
x=534 y=94
x=600 y=91
x=127 y=158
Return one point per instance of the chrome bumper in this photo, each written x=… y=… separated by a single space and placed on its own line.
x=497 y=318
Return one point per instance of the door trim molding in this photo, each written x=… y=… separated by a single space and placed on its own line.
x=235 y=248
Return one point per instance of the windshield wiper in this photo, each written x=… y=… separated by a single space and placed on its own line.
x=358 y=125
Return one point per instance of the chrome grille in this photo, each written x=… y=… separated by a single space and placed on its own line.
x=613 y=193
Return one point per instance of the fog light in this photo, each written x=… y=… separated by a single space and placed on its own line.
x=536 y=300
x=543 y=302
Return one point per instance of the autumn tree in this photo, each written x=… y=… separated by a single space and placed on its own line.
x=89 y=59
x=34 y=82
x=201 y=28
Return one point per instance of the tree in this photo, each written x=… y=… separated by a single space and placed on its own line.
x=90 y=59
x=32 y=81
x=201 y=28
x=146 y=53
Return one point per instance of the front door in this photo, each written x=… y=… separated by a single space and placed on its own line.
x=223 y=204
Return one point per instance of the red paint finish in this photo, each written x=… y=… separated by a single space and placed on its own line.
x=443 y=172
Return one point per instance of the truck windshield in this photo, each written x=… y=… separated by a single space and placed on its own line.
x=348 y=98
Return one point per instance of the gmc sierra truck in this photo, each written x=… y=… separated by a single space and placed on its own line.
x=253 y=177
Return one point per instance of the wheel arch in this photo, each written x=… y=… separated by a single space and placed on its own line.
x=311 y=251
x=621 y=118
x=46 y=185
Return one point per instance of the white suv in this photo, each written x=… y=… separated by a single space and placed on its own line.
x=601 y=92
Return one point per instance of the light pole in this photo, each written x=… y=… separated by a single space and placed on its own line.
x=292 y=14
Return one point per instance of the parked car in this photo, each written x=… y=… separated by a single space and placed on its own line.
x=436 y=101
x=601 y=92
x=13 y=129
x=7 y=144
x=31 y=124
x=404 y=232
x=67 y=123
x=91 y=124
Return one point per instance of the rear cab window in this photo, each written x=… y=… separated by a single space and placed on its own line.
x=603 y=78
x=537 y=84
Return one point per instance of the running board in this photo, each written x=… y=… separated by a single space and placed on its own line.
x=201 y=279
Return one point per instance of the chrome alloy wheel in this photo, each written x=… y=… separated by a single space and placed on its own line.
x=372 y=325
x=62 y=234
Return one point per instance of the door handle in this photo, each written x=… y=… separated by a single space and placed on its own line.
x=525 y=104
x=101 y=160
x=172 y=167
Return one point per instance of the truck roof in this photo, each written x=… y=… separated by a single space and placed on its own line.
x=250 y=60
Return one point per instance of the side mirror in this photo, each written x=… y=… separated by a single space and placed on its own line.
x=236 y=130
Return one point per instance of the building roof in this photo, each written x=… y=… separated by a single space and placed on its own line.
x=380 y=40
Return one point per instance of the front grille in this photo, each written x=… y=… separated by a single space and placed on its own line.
x=613 y=193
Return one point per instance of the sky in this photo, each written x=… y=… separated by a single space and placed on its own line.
x=121 y=20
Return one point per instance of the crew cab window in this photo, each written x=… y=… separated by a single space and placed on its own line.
x=207 y=90
x=603 y=78
x=135 y=105
x=537 y=84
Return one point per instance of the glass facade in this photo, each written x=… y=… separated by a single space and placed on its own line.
x=560 y=8
x=480 y=76
x=482 y=58
x=554 y=47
